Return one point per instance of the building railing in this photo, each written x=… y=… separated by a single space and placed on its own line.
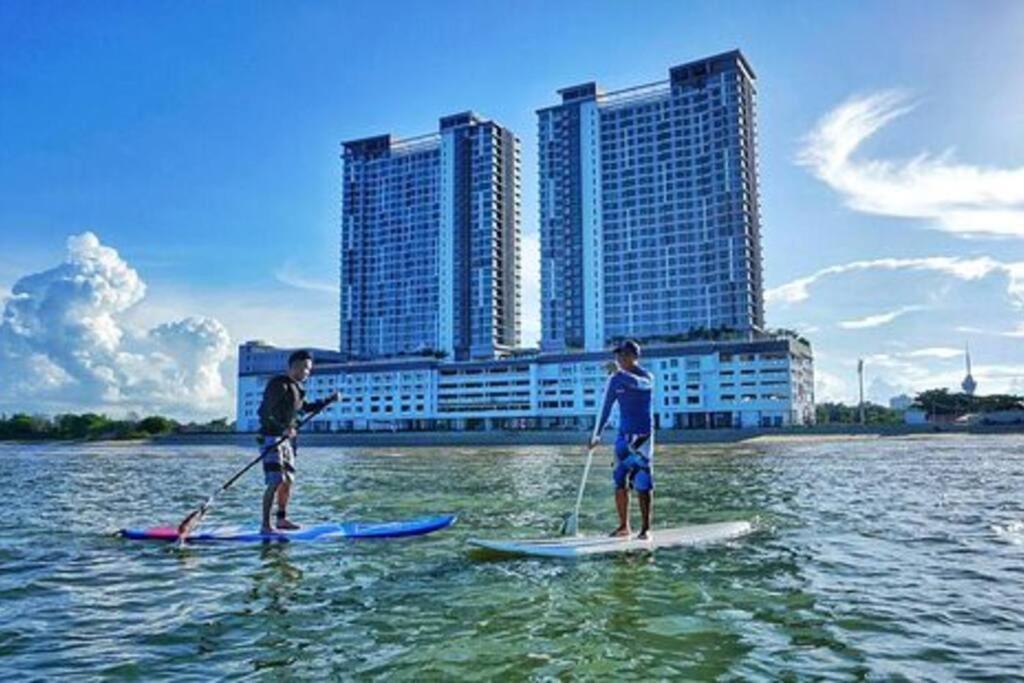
x=413 y=144
x=634 y=94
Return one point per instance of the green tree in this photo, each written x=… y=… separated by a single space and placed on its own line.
x=941 y=402
x=221 y=424
x=24 y=427
x=155 y=424
x=840 y=413
x=84 y=426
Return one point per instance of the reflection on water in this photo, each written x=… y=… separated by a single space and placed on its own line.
x=890 y=558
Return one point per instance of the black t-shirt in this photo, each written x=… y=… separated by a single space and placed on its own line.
x=283 y=400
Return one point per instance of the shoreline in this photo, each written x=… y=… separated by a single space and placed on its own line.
x=552 y=438
x=681 y=437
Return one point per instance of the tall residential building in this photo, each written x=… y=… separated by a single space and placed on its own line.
x=649 y=208
x=430 y=243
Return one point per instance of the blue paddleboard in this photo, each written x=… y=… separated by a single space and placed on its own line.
x=319 y=532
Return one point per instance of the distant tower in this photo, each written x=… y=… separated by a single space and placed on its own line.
x=968 y=385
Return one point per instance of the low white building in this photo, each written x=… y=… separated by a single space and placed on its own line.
x=698 y=385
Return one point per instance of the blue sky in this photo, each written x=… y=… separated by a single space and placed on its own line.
x=200 y=141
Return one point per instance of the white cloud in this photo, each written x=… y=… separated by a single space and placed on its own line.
x=992 y=378
x=904 y=359
x=830 y=387
x=879 y=319
x=250 y=311
x=880 y=390
x=1015 y=333
x=914 y=371
x=289 y=274
x=969 y=201
x=965 y=269
x=936 y=352
x=65 y=344
x=976 y=300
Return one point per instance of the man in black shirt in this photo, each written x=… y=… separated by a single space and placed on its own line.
x=283 y=399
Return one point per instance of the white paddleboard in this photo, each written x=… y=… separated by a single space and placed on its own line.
x=583 y=546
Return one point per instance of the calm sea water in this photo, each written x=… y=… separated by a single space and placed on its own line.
x=879 y=559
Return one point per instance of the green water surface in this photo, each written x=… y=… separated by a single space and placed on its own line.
x=881 y=559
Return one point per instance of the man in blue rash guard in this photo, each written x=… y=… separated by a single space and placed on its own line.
x=631 y=386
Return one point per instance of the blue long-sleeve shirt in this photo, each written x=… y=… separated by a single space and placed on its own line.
x=632 y=390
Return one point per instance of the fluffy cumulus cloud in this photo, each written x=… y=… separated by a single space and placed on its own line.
x=65 y=344
x=830 y=387
x=967 y=200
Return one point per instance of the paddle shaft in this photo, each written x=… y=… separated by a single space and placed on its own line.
x=583 y=483
x=264 y=451
x=195 y=516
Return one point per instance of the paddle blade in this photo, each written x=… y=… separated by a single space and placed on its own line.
x=189 y=524
x=570 y=525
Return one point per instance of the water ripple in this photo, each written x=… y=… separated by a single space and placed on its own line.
x=883 y=559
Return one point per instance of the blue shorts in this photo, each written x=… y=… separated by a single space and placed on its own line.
x=278 y=463
x=634 y=462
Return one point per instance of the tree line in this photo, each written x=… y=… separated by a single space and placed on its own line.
x=943 y=402
x=840 y=413
x=94 y=426
x=934 y=402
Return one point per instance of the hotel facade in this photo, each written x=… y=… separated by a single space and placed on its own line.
x=698 y=385
x=650 y=230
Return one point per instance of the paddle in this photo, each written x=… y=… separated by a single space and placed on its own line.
x=196 y=516
x=570 y=527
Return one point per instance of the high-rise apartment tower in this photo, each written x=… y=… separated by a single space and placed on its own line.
x=430 y=242
x=650 y=224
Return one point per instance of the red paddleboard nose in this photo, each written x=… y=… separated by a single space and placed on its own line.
x=162 y=533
